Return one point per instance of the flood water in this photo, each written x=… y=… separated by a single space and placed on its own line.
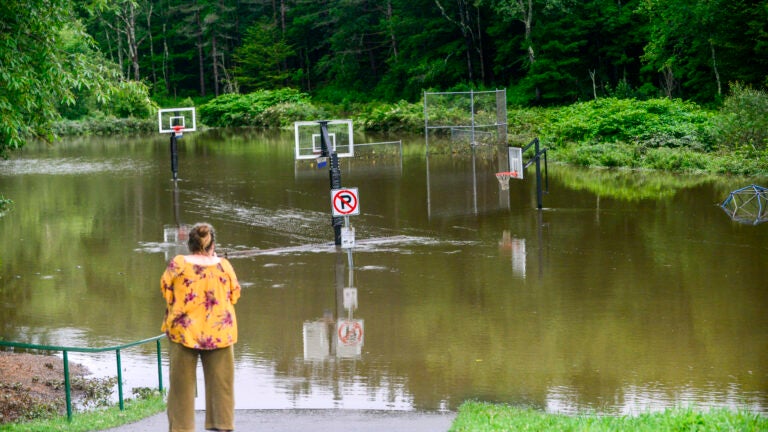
x=628 y=292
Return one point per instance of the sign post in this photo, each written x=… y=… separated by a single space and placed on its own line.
x=344 y=203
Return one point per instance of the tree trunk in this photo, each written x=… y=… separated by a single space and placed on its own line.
x=133 y=46
x=166 y=55
x=668 y=81
x=151 y=44
x=714 y=67
x=392 y=38
x=214 y=55
x=200 y=54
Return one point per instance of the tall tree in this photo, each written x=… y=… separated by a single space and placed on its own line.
x=37 y=73
x=261 y=58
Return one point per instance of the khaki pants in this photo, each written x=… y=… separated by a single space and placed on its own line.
x=219 y=374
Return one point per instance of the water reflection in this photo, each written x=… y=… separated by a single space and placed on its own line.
x=340 y=334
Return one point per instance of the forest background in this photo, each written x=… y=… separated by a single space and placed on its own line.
x=670 y=84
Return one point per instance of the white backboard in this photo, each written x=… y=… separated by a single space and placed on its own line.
x=308 y=143
x=168 y=119
x=516 y=162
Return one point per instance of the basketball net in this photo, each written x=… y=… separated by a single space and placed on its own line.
x=504 y=177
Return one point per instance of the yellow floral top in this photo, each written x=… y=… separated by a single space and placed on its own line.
x=200 y=311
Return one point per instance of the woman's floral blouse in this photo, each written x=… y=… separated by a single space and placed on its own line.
x=200 y=311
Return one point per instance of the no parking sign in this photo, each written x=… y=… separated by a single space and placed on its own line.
x=344 y=202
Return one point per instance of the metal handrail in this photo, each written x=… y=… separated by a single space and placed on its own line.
x=117 y=348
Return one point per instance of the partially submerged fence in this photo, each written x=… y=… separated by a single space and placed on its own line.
x=475 y=117
x=117 y=349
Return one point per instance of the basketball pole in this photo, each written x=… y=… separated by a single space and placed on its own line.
x=334 y=174
x=538 y=153
x=174 y=156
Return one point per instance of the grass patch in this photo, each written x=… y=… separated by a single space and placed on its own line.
x=94 y=420
x=482 y=417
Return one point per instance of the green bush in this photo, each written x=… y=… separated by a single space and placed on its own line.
x=675 y=160
x=244 y=110
x=283 y=115
x=130 y=99
x=651 y=123
x=743 y=118
x=104 y=126
x=599 y=154
x=401 y=116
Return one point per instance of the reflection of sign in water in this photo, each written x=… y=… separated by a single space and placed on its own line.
x=344 y=202
x=516 y=248
x=350 y=332
x=316 y=340
x=350 y=298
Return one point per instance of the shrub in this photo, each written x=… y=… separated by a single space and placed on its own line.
x=743 y=118
x=598 y=154
x=283 y=115
x=130 y=99
x=401 y=116
x=675 y=160
x=244 y=110
x=651 y=123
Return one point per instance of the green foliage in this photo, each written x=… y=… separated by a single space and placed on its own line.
x=261 y=58
x=143 y=406
x=743 y=118
x=284 y=114
x=486 y=417
x=96 y=391
x=38 y=74
x=598 y=154
x=648 y=124
x=130 y=99
x=104 y=125
x=5 y=204
x=247 y=110
x=400 y=116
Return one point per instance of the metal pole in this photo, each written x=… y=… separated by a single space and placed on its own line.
x=120 y=381
x=174 y=156
x=159 y=368
x=334 y=174
x=426 y=124
x=67 y=387
x=538 y=177
x=472 y=109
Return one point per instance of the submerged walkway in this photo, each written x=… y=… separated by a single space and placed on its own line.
x=308 y=420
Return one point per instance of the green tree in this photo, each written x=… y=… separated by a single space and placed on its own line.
x=36 y=74
x=261 y=58
x=697 y=47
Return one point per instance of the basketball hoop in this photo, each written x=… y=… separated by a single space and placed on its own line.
x=504 y=177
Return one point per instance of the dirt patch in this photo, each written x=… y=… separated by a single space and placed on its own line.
x=32 y=386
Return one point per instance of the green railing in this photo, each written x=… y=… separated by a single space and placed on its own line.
x=66 y=350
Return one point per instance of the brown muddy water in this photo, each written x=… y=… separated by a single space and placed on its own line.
x=628 y=292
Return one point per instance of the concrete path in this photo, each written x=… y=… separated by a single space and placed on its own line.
x=313 y=420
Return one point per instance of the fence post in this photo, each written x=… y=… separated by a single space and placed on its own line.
x=67 y=387
x=159 y=367
x=120 y=380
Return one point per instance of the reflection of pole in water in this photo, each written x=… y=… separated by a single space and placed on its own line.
x=539 y=224
x=429 y=201
x=176 y=212
x=474 y=175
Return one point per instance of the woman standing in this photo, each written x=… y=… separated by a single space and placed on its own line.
x=200 y=291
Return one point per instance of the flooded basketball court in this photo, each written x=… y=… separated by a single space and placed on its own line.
x=629 y=291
